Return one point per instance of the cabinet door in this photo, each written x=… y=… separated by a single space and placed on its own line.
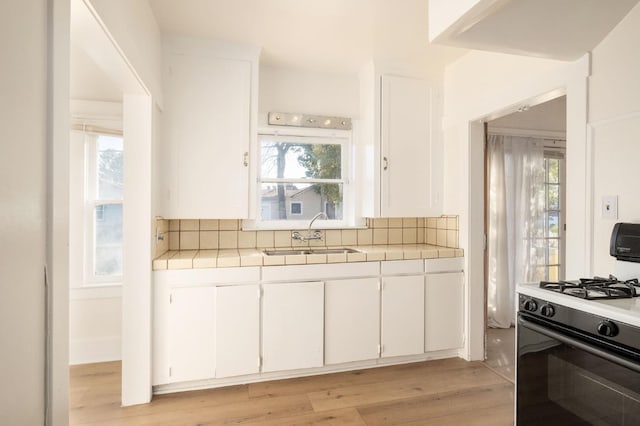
x=351 y=320
x=405 y=147
x=192 y=334
x=237 y=330
x=402 y=315
x=443 y=311
x=207 y=123
x=292 y=326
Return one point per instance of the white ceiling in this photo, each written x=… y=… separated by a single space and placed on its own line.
x=323 y=35
x=557 y=29
x=550 y=116
x=336 y=36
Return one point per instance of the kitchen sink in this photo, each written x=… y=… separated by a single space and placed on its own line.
x=294 y=252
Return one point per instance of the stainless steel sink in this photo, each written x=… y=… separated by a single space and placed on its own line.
x=294 y=252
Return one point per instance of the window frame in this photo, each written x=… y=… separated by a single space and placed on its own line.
x=561 y=210
x=304 y=135
x=91 y=203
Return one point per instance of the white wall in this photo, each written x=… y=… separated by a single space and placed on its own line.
x=301 y=91
x=614 y=118
x=482 y=86
x=23 y=239
x=133 y=26
x=95 y=315
x=95 y=328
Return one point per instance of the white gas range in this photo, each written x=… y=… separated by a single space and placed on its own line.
x=578 y=345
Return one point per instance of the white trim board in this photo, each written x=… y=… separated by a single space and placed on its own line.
x=529 y=133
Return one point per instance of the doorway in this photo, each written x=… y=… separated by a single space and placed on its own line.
x=103 y=80
x=524 y=216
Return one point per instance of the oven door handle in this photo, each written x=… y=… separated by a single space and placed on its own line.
x=579 y=344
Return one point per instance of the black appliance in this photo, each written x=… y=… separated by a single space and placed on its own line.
x=575 y=367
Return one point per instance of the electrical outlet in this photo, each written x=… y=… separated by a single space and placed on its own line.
x=610 y=207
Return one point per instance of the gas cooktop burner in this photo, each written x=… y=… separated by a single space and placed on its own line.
x=596 y=288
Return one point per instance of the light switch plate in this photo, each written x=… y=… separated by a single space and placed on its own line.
x=610 y=207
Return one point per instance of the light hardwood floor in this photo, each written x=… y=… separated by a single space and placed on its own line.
x=501 y=352
x=443 y=392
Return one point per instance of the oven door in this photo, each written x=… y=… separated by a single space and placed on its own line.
x=567 y=378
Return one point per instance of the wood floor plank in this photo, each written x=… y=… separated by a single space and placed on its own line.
x=347 y=416
x=447 y=392
x=351 y=378
x=473 y=375
x=427 y=408
x=259 y=411
x=490 y=416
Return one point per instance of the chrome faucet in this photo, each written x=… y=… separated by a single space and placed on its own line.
x=317 y=235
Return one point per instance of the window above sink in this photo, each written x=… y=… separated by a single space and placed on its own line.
x=300 y=173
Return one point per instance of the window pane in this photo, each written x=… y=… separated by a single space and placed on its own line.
x=540 y=274
x=554 y=224
x=291 y=160
x=553 y=170
x=108 y=240
x=278 y=200
x=109 y=162
x=554 y=255
x=553 y=203
x=553 y=273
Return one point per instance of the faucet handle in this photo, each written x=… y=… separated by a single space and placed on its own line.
x=295 y=235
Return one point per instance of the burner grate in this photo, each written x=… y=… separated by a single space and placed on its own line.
x=596 y=288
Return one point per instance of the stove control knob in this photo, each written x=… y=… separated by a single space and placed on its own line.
x=530 y=305
x=607 y=328
x=547 y=311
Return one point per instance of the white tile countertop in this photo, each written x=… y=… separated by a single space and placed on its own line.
x=190 y=259
x=623 y=310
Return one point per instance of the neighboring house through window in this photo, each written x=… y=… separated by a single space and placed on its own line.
x=296 y=208
x=103 y=208
x=302 y=171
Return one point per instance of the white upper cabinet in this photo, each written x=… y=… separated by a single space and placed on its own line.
x=398 y=147
x=405 y=141
x=207 y=128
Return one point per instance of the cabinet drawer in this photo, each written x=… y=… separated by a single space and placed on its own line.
x=453 y=264
x=319 y=272
x=400 y=267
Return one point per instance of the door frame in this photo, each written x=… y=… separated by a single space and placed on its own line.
x=572 y=81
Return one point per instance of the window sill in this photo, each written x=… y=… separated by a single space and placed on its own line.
x=101 y=291
x=291 y=225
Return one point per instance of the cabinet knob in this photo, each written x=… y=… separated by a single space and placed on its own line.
x=245 y=159
x=385 y=161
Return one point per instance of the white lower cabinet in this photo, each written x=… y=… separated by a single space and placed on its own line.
x=237 y=330
x=351 y=320
x=351 y=313
x=191 y=334
x=292 y=326
x=402 y=315
x=443 y=311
